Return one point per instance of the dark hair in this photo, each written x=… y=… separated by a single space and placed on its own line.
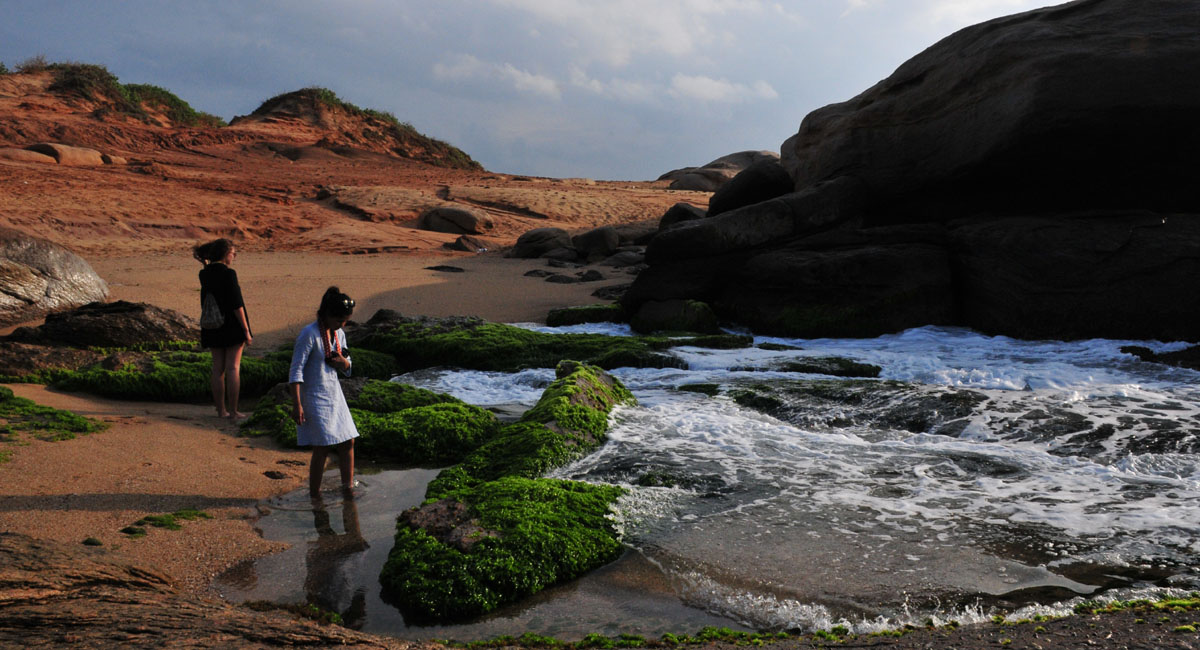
x=335 y=303
x=213 y=251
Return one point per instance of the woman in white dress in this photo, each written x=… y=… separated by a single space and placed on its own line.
x=322 y=416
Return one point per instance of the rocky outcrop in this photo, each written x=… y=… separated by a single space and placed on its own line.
x=119 y=324
x=53 y=594
x=456 y=221
x=68 y=155
x=1049 y=157
x=38 y=277
x=710 y=177
x=539 y=241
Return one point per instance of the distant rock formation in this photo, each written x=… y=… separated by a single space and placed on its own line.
x=1030 y=176
x=456 y=221
x=709 y=177
x=38 y=277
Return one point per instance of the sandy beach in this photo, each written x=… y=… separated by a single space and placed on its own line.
x=156 y=458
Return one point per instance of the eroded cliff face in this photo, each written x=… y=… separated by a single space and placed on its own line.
x=1030 y=176
x=53 y=594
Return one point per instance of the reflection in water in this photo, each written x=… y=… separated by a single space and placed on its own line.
x=333 y=563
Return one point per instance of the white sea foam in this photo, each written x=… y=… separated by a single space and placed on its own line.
x=762 y=492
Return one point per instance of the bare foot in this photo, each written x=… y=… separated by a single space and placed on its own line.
x=222 y=414
x=236 y=415
x=348 y=492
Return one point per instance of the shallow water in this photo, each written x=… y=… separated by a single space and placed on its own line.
x=977 y=475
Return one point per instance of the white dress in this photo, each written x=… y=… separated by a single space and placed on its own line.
x=327 y=418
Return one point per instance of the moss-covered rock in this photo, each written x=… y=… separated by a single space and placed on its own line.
x=424 y=435
x=605 y=313
x=569 y=421
x=490 y=532
x=479 y=345
x=529 y=534
x=167 y=377
x=396 y=422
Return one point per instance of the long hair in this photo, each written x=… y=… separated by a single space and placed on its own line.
x=336 y=304
x=213 y=251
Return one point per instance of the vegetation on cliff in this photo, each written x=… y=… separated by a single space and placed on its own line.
x=380 y=126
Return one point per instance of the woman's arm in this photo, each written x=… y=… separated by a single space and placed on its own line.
x=297 y=407
x=241 y=317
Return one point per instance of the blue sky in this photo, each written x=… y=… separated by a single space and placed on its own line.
x=606 y=89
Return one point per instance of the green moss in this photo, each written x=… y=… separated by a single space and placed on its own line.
x=169 y=521
x=134 y=531
x=388 y=396
x=18 y=414
x=424 y=435
x=380 y=125
x=548 y=531
x=479 y=345
x=607 y=313
x=569 y=421
x=540 y=531
x=169 y=377
x=92 y=541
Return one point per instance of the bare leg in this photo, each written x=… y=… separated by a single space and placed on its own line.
x=345 y=452
x=233 y=379
x=315 y=469
x=218 y=380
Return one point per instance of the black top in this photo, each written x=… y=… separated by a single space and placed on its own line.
x=221 y=281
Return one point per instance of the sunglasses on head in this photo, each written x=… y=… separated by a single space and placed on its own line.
x=348 y=303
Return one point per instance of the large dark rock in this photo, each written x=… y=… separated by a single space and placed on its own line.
x=539 y=241
x=1070 y=107
x=1125 y=276
x=597 y=244
x=679 y=213
x=765 y=179
x=38 y=277
x=1054 y=151
x=117 y=324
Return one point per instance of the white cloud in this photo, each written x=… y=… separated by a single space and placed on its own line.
x=707 y=89
x=622 y=90
x=465 y=67
x=614 y=31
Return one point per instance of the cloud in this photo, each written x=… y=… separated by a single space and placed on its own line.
x=615 y=31
x=707 y=89
x=960 y=13
x=466 y=67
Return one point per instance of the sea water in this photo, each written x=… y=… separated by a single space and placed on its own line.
x=976 y=475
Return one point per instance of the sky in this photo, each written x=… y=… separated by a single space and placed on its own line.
x=603 y=89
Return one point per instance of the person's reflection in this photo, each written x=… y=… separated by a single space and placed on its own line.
x=333 y=565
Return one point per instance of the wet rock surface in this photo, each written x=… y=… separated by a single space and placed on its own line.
x=119 y=324
x=56 y=595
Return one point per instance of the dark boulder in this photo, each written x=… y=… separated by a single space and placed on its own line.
x=710 y=177
x=469 y=244
x=675 y=316
x=764 y=180
x=679 y=213
x=597 y=244
x=1125 y=276
x=539 y=241
x=38 y=277
x=1070 y=107
x=117 y=324
x=1054 y=151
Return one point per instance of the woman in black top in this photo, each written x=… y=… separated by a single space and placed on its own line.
x=229 y=339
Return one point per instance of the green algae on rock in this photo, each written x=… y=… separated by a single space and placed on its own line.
x=525 y=535
x=568 y=422
x=18 y=414
x=491 y=531
x=395 y=422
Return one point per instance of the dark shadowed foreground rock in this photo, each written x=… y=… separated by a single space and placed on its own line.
x=38 y=277
x=1054 y=151
x=119 y=324
x=55 y=595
